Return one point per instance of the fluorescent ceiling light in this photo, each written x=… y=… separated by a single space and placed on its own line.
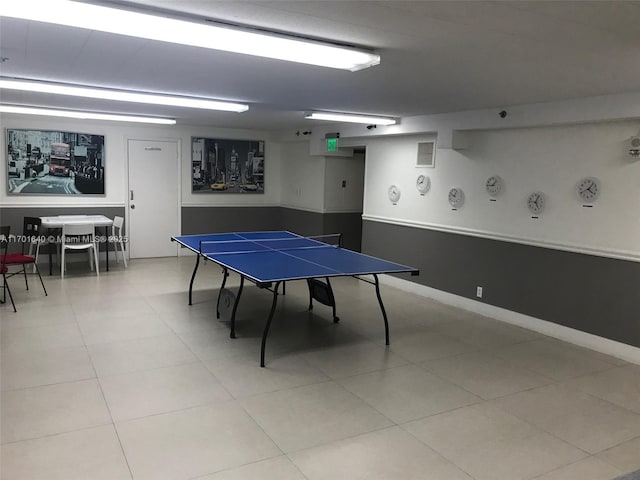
x=351 y=118
x=120 y=95
x=217 y=37
x=84 y=115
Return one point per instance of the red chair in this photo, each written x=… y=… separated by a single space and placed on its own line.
x=8 y=260
x=4 y=245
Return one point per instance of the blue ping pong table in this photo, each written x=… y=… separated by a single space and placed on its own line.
x=271 y=258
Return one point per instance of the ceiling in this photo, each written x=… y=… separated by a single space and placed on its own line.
x=437 y=56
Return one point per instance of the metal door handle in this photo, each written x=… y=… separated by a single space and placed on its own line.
x=131 y=195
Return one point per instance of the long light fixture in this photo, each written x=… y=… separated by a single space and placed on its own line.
x=351 y=118
x=84 y=115
x=119 y=95
x=206 y=35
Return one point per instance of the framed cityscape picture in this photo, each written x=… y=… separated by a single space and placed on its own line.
x=48 y=162
x=227 y=166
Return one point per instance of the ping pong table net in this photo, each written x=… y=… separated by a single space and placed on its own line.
x=333 y=240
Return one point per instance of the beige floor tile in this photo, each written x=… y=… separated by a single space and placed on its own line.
x=485 y=375
x=92 y=453
x=555 y=359
x=421 y=344
x=242 y=375
x=193 y=442
x=187 y=318
x=102 y=306
x=39 y=411
x=451 y=433
x=480 y=332
x=214 y=343
x=45 y=367
x=278 y=468
x=625 y=456
x=354 y=359
x=43 y=314
x=619 y=385
x=312 y=415
x=517 y=458
x=149 y=392
x=36 y=339
x=34 y=297
x=384 y=454
x=408 y=393
x=115 y=329
x=369 y=323
x=585 y=421
x=589 y=468
x=139 y=354
x=178 y=302
x=491 y=444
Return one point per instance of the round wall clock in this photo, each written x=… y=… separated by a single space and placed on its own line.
x=423 y=184
x=394 y=194
x=494 y=185
x=588 y=189
x=456 y=197
x=535 y=202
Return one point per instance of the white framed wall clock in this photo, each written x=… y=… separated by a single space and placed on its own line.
x=493 y=185
x=423 y=184
x=456 y=197
x=536 y=202
x=394 y=194
x=588 y=189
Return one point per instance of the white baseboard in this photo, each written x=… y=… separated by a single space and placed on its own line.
x=619 y=350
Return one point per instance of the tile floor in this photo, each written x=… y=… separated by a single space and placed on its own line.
x=116 y=377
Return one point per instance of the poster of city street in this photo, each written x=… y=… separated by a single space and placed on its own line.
x=227 y=166
x=44 y=162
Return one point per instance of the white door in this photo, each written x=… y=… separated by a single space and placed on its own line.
x=154 y=180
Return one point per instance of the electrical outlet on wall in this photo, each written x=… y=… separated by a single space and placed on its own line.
x=479 y=292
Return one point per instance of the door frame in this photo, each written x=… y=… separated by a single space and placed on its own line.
x=127 y=217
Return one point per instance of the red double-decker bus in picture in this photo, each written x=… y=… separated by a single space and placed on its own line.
x=60 y=159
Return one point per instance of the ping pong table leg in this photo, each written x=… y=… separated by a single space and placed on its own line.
x=225 y=274
x=336 y=319
x=384 y=313
x=193 y=277
x=232 y=334
x=266 y=327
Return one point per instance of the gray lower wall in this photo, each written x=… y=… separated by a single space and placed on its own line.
x=197 y=220
x=593 y=294
x=301 y=221
x=348 y=224
x=238 y=219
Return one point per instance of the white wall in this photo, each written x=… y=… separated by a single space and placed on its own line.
x=116 y=136
x=550 y=159
x=349 y=170
x=314 y=182
x=302 y=178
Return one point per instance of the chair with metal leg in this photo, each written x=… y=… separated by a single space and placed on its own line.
x=117 y=238
x=21 y=260
x=79 y=237
x=34 y=237
x=4 y=245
